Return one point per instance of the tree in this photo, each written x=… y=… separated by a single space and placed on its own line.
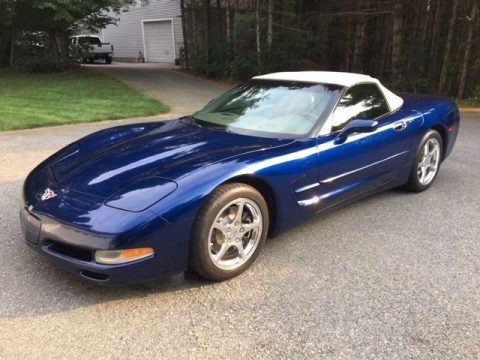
x=468 y=47
x=206 y=29
x=414 y=45
x=7 y=33
x=270 y=23
x=186 y=47
x=448 y=46
x=57 y=19
x=258 y=34
x=397 y=38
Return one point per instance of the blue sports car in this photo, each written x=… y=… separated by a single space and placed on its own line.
x=203 y=192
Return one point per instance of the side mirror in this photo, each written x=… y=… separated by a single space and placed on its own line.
x=356 y=126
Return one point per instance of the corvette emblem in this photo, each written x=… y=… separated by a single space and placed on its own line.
x=48 y=194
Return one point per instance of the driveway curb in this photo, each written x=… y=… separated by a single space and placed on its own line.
x=469 y=110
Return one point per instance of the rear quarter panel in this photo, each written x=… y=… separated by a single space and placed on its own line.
x=439 y=113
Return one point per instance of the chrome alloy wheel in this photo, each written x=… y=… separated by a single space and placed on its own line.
x=235 y=234
x=429 y=161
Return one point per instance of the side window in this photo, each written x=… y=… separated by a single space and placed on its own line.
x=364 y=101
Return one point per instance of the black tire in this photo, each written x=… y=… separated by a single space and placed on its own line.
x=108 y=60
x=414 y=182
x=205 y=237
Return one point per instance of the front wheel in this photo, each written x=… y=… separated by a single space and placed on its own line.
x=230 y=229
x=427 y=163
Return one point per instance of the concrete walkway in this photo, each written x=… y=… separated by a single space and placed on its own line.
x=184 y=93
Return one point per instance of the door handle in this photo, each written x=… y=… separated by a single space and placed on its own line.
x=400 y=125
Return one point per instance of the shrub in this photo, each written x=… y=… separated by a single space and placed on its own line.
x=242 y=67
x=474 y=98
x=40 y=62
x=34 y=56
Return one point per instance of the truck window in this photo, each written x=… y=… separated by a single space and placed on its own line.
x=89 y=40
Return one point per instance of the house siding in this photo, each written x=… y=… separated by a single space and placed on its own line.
x=127 y=35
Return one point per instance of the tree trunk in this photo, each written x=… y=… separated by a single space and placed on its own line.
x=466 y=54
x=259 y=45
x=270 y=24
x=228 y=25
x=384 y=69
x=424 y=26
x=437 y=20
x=12 y=43
x=348 y=46
x=446 y=57
x=359 y=47
x=397 y=38
x=411 y=62
x=221 y=33
x=234 y=35
x=185 y=35
x=206 y=29
x=374 y=62
x=194 y=51
x=299 y=18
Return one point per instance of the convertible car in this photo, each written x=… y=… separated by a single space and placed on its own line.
x=203 y=192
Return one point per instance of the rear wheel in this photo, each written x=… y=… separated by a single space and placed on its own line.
x=427 y=163
x=229 y=232
x=108 y=60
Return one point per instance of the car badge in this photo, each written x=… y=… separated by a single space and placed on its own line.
x=48 y=194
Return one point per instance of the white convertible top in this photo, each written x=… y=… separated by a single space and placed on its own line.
x=336 y=78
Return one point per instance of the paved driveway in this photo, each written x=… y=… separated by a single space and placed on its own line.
x=393 y=276
x=182 y=92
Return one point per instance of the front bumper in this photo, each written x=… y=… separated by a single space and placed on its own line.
x=73 y=249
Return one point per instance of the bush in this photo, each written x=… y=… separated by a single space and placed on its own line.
x=34 y=56
x=474 y=98
x=416 y=84
x=40 y=62
x=242 y=68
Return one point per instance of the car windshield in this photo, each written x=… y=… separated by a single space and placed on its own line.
x=271 y=108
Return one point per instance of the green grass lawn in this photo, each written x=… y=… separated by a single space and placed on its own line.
x=79 y=95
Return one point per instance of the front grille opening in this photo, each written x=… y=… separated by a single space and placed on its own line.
x=93 y=275
x=71 y=251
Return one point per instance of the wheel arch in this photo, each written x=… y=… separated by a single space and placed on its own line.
x=443 y=134
x=264 y=188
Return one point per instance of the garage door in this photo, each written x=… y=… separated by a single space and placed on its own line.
x=159 y=41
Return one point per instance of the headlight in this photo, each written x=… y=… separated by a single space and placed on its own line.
x=113 y=257
x=141 y=194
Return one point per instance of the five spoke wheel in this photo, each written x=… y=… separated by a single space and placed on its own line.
x=427 y=163
x=430 y=160
x=229 y=231
x=235 y=233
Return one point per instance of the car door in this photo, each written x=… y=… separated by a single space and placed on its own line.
x=366 y=160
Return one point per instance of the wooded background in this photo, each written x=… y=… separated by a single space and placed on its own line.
x=414 y=45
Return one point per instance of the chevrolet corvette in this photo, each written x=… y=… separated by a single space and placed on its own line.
x=203 y=192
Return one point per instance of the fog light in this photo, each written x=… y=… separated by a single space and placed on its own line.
x=111 y=257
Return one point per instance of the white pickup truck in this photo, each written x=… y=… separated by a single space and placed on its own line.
x=96 y=48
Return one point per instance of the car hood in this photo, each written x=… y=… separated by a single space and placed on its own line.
x=106 y=162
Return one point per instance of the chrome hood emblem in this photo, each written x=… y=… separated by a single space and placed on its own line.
x=48 y=194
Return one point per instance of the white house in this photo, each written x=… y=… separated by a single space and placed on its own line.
x=152 y=27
